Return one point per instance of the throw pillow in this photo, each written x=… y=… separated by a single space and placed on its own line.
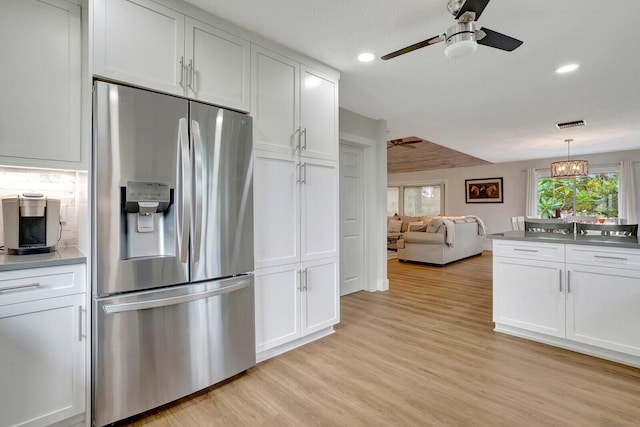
x=434 y=226
x=394 y=226
x=417 y=226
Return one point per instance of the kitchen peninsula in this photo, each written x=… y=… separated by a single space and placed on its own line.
x=579 y=292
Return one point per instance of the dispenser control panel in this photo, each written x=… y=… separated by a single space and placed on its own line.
x=147 y=197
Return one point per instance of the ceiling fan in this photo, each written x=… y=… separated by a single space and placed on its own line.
x=463 y=37
x=403 y=142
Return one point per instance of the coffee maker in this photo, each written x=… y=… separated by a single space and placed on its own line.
x=31 y=223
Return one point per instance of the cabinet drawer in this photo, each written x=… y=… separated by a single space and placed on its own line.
x=40 y=283
x=529 y=250
x=606 y=257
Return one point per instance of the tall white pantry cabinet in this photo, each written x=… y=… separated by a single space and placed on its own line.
x=296 y=193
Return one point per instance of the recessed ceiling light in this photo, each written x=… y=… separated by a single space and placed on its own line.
x=567 y=68
x=366 y=57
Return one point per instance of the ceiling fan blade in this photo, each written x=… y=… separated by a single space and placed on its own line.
x=407 y=146
x=427 y=42
x=498 y=40
x=476 y=6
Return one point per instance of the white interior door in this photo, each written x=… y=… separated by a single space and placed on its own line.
x=351 y=219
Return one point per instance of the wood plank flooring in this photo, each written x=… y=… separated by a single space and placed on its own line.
x=421 y=354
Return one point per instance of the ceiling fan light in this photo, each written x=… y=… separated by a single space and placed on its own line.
x=461 y=40
x=460 y=49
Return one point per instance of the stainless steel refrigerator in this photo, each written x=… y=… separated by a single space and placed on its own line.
x=172 y=259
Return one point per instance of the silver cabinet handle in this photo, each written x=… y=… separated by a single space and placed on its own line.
x=304 y=146
x=183 y=188
x=304 y=173
x=560 y=277
x=27 y=285
x=80 y=334
x=182 y=72
x=298 y=174
x=293 y=140
x=610 y=257
x=306 y=280
x=525 y=250
x=190 y=75
x=197 y=187
x=163 y=302
x=568 y=281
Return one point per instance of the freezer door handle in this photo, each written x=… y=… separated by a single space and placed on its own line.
x=197 y=188
x=183 y=180
x=163 y=302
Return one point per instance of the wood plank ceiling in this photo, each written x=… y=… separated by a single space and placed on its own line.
x=427 y=156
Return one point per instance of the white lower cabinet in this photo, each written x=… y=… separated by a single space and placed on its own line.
x=42 y=361
x=587 y=301
x=528 y=294
x=42 y=346
x=294 y=302
x=603 y=307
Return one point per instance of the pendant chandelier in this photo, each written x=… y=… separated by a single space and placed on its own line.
x=569 y=168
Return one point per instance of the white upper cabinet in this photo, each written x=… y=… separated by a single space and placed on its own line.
x=40 y=112
x=318 y=115
x=149 y=45
x=217 y=66
x=139 y=42
x=275 y=101
x=295 y=107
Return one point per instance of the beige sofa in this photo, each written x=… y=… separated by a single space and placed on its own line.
x=439 y=240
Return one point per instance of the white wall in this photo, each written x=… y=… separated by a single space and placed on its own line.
x=497 y=216
x=371 y=135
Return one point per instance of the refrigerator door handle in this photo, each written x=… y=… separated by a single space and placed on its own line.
x=197 y=187
x=163 y=302
x=183 y=181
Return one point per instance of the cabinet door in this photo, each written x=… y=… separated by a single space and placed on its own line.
x=42 y=361
x=217 y=66
x=275 y=98
x=319 y=222
x=321 y=298
x=318 y=114
x=602 y=307
x=276 y=201
x=139 y=42
x=529 y=295
x=40 y=85
x=277 y=300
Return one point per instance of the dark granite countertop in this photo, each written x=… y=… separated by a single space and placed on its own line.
x=62 y=256
x=631 y=242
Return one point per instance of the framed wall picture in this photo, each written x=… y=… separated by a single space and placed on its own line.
x=485 y=190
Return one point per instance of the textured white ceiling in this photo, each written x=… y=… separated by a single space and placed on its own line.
x=494 y=105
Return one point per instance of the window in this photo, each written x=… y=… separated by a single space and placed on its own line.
x=424 y=200
x=393 y=201
x=593 y=195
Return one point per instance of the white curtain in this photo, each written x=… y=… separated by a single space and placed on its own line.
x=627 y=193
x=531 y=194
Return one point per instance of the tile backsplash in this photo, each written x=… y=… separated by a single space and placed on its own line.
x=56 y=184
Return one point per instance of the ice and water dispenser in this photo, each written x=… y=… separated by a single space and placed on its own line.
x=149 y=219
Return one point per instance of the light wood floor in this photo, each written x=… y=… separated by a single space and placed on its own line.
x=421 y=354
